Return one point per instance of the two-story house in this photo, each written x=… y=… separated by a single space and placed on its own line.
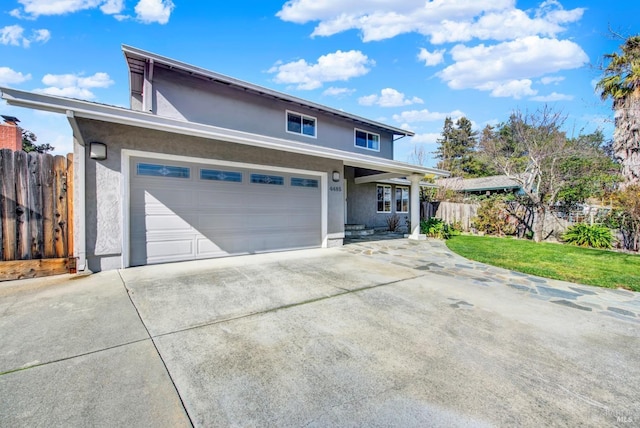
x=204 y=165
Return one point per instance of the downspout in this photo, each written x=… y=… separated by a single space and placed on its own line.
x=79 y=160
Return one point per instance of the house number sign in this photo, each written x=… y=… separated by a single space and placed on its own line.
x=335 y=188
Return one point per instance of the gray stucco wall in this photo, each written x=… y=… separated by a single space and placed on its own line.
x=179 y=96
x=104 y=180
x=362 y=204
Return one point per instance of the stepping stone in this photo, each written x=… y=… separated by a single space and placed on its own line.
x=461 y=304
x=521 y=288
x=583 y=291
x=464 y=266
x=621 y=311
x=554 y=292
x=571 y=305
x=622 y=292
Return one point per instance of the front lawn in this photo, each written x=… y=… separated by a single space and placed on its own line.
x=565 y=262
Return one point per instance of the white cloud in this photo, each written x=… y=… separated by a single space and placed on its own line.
x=338 y=92
x=549 y=80
x=57 y=7
x=74 y=85
x=413 y=116
x=512 y=88
x=14 y=35
x=493 y=67
x=41 y=35
x=70 y=92
x=12 y=77
x=112 y=7
x=441 y=20
x=150 y=11
x=388 y=97
x=554 y=96
x=431 y=58
x=426 y=138
x=11 y=35
x=337 y=66
x=147 y=11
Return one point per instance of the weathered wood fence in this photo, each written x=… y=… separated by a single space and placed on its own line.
x=36 y=214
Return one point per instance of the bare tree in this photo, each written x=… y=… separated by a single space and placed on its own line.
x=419 y=156
x=534 y=153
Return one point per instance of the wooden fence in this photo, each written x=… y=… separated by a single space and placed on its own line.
x=36 y=214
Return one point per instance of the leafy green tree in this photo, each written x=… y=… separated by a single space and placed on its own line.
x=590 y=175
x=532 y=150
x=29 y=143
x=621 y=83
x=456 y=147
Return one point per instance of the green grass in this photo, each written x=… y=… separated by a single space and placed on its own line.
x=568 y=263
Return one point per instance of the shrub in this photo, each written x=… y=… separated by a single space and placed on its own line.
x=393 y=221
x=493 y=218
x=584 y=235
x=626 y=216
x=437 y=228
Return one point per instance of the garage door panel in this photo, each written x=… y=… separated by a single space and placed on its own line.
x=178 y=249
x=184 y=219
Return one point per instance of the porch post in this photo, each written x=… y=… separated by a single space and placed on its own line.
x=415 y=207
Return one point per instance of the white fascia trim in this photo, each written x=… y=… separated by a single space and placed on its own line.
x=125 y=165
x=88 y=110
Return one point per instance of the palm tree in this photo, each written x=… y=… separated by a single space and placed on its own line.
x=621 y=83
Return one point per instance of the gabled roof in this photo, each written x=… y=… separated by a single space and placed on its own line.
x=137 y=59
x=494 y=182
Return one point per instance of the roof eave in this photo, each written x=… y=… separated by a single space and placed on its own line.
x=89 y=110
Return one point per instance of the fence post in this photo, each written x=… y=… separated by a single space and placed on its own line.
x=60 y=220
x=35 y=205
x=48 y=205
x=22 y=206
x=8 y=204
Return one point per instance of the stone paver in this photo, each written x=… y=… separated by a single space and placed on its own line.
x=433 y=256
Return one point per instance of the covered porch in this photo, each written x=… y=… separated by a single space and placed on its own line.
x=384 y=201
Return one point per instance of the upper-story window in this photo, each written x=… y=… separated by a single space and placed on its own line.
x=301 y=124
x=367 y=140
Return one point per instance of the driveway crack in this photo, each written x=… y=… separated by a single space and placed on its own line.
x=175 y=387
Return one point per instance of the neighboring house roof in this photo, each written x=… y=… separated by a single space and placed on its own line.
x=494 y=182
x=84 y=109
x=137 y=59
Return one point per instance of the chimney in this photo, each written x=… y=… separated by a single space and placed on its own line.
x=10 y=134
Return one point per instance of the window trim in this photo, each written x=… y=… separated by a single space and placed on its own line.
x=220 y=179
x=355 y=139
x=163 y=167
x=266 y=178
x=388 y=186
x=302 y=117
x=401 y=199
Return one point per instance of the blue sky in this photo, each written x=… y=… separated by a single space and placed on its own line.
x=407 y=63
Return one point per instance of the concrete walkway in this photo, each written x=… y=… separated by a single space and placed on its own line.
x=434 y=256
x=388 y=333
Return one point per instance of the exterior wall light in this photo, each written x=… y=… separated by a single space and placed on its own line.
x=97 y=151
x=335 y=176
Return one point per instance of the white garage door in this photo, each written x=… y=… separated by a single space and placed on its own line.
x=186 y=211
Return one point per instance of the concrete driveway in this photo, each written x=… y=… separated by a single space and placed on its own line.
x=377 y=334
